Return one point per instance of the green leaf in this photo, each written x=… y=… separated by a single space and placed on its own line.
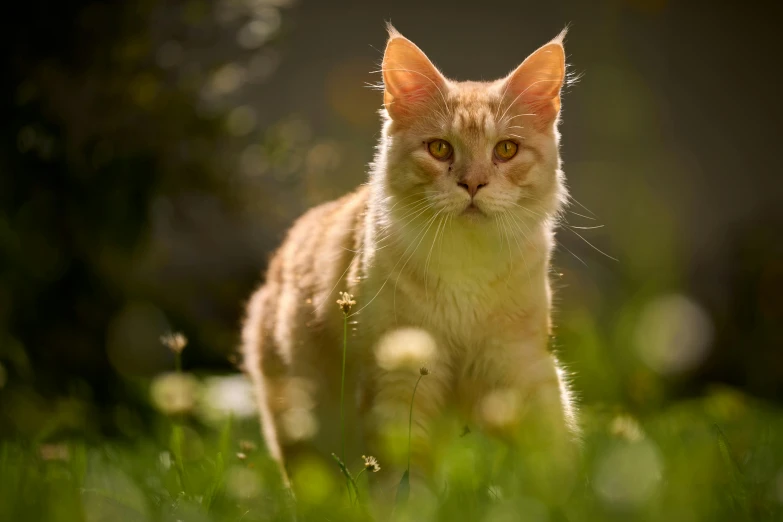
x=403 y=490
x=225 y=435
x=217 y=480
x=175 y=445
x=348 y=477
x=732 y=467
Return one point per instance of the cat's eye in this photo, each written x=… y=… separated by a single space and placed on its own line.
x=440 y=149
x=505 y=150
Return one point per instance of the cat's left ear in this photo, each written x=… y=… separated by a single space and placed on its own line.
x=411 y=82
x=536 y=84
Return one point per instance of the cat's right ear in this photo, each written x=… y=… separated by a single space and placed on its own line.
x=411 y=82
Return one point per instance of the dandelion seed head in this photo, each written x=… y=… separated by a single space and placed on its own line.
x=175 y=341
x=346 y=302
x=371 y=464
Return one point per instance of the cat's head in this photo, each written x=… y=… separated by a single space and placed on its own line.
x=473 y=149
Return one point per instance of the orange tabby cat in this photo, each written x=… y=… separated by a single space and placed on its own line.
x=446 y=251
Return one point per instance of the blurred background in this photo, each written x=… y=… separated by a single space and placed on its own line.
x=153 y=154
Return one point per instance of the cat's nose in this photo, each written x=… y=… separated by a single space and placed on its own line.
x=471 y=186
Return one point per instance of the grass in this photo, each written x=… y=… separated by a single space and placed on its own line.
x=718 y=457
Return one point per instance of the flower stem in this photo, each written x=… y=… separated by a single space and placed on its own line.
x=342 y=385
x=410 y=422
x=356 y=482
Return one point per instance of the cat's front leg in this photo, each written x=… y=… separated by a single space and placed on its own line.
x=405 y=399
x=518 y=392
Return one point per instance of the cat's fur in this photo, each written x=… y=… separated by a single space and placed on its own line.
x=464 y=292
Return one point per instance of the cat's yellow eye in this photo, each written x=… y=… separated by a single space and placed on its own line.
x=505 y=150
x=440 y=149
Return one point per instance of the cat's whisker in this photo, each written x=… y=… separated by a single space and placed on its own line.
x=526 y=209
x=502 y=98
x=409 y=205
x=412 y=203
x=390 y=272
x=572 y=198
x=515 y=116
x=528 y=239
x=509 y=216
x=510 y=253
x=388 y=276
x=581 y=215
x=584 y=228
x=427 y=262
x=592 y=245
x=362 y=250
x=417 y=211
x=402 y=225
x=429 y=224
x=449 y=216
x=411 y=209
x=503 y=238
x=400 y=200
x=560 y=244
x=497 y=225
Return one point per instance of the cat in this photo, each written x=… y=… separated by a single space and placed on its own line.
x=446 y=253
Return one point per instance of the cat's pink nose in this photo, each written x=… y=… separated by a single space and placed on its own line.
x=471 y=186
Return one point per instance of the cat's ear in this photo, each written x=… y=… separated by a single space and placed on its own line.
x=536 y=84
x=410 y=80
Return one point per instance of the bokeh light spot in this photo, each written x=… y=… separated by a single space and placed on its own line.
x=312 y=481
x=673 y=334
x=299 y=424
x=405 y=348
x=242 y=483
x=628 y=474
x=241 y=121
x=228 y=79
x=174 y=393
x=226 y=396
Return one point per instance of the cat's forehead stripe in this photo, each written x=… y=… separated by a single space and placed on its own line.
x=466 y=120
x=473 y=110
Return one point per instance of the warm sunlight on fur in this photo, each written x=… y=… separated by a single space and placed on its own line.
x=446 y=251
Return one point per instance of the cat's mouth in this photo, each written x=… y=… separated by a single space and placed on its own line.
x=473 y=211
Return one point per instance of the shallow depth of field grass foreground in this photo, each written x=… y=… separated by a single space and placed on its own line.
x=714 y=458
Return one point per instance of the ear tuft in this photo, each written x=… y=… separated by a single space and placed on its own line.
x=393 y=33
x=559 y=39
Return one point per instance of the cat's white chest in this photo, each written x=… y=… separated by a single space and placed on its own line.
x=458 y=299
